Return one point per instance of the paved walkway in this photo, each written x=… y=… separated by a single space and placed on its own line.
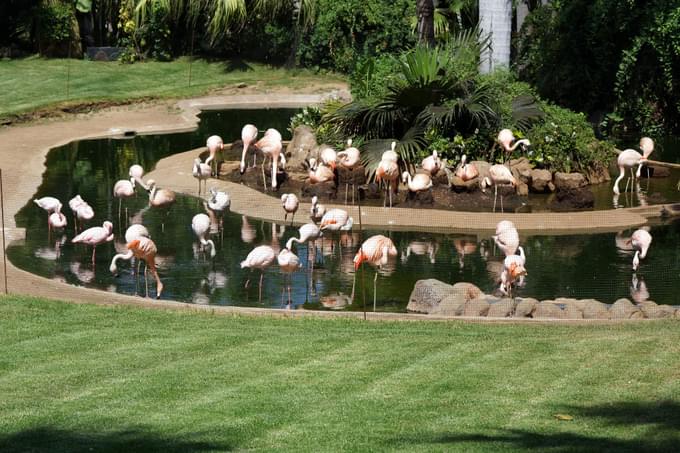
x=22 y=158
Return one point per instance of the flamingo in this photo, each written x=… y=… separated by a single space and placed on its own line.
x=160 y=198
x=145 y=249
x=336 y=220
x=95 y=236
x=271 y=146
x=432 y=164
x=123 y=189
x=137 y=173
x=376 y=250
x=247 y=231
x=640 y=240
x=498 y=174
x=505 y=138
x=248 y=136
x=288 y=263
x=513 y=269
x=466 y=172
x=261 y=258
x=201 y=171
x=391 y=154
x=318 y=172
x=506 y=237
x=82 y=211
x=201 y=226
x=290 y=205
x=317 y=211
x=329 y=157
x=214 y=144
x=56 y=221
x=464 y=246
x=629 y=158
x=309 y=233
x=219 y=203
x=417 y=183
x=350 y=158
x=49 y=204
x=388 y=170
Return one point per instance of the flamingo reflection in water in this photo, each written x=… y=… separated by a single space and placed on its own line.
x=638 y=289
x=421 y=248
x=466 y=245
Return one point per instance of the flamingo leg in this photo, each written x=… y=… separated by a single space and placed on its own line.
x=495 y=196
x=502 y=202
x=346 y=189
x=264 y=178
x=146 y=282
x=375 y=295
x=261 y=277
x=94 y=254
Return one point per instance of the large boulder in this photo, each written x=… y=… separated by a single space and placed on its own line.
x=598 y=174
x=594 y=309
x=427 y=295
x=569 y=181
x=623 y=309
x=525 y=307
x=541 y=180
x=547 y=309
x=654 y=311
x=502 y=308
x=324 y=190
x=478 y=306
x=418 y=199
x=521 y=169
x=300 y=147
x=573 y=199
x=455 y=302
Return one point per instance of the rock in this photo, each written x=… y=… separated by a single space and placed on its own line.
x=622 y=309
x=548 y=309
x=525 y=307
x=476 y=307
x=301 y=145
x=522 y=189
x=573 y=199
x=656 y=171
x=370 y=191
x=540 y=180
x=482 y=168
x=501 y=309
x=324 y=190
x=458 y=185
x=654 y=311
x=418 y=199
x=551 y=186
x=566 y=181
x=455 y=302
x=594 y=309
x=253 y=178
x=427 y=295
x=571 y=302
x=598 y=174
x=346 y=176
x=572 y=312
x=521 y=169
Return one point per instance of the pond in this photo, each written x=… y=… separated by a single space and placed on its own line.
x=583 y=266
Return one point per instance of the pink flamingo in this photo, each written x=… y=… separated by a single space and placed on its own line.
x=336 y=220
x=288 y=263
x=248 y=136
x=505 y=138
x=466 y=172
x=145 y=249
x=214 y=144
x=319 y=173
x=201 y=171
x=261 y=258
x=432 y=164
x=271 y=146
x=350 y=158
x=498 y=174
x=329 y=157
x=160 y=198
x=391 y=154
x=388 y=170
x=56 y=221
x=513 y=269
x=640 y=240
x=82 y=211
x=417 y=183
x=629 y=158
x=290 y=205
x=137 y=173
x=49 y=204
x=376 y=250
x=506 y=237
x=309 y=233
x=317 y=211
x=95 y=236
x=123 y=189
x=201 y=226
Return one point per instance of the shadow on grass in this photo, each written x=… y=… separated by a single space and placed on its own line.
x=236 y=64
x=660 y=421
x=48 y=439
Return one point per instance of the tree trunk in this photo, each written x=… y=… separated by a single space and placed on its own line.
x=495 y=20
x=425 y=13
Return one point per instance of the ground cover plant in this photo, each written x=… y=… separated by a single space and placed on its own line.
x=95 y=378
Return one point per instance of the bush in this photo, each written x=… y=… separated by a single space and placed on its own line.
x=347 y=31
x=55 y=23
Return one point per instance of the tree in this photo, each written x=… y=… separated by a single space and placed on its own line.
x=425 y=13
x=495 y=21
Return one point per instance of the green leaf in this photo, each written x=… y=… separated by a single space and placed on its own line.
x=84 y=6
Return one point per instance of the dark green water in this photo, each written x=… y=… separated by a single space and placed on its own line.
x=581 y=266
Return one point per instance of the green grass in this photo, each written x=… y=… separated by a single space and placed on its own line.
x=33 y=83
x=88 y=378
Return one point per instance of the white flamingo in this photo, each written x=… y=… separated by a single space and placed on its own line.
x=350 y=159
x=201 y=226
x=137 y=173
x=261 y=258
x=317 y=211
x=214 y=144
x=290 y=204
x=418 y=183
x=288 y=263
x=82 y=211
x=505 y=138
x=498 y=174
x=630 y=158
x=271 y=145
x=95 y=236
x=432 y=164
x=123 y=189
x=640 y=240
x=248 y=136
x=201 y=171
x=466 y=171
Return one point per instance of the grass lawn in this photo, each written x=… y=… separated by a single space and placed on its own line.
x=32 y=83
x=88 y=378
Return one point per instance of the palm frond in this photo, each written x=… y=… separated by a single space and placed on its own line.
x=525 y=112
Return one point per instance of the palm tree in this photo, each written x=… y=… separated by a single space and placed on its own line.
x=425 y=13
x=495 y=21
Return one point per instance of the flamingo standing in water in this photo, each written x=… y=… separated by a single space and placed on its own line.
x=160 y=198
x=498 y=174
x=201 y=171
x=136 y=172
x=317 y=211
x=248 y=136
x=432 y=164
x=629 y=158
x=513 y=269
x=350 y=158
x=640 y=240
x=505 y=138
x=95 y=236
x=376 y=250
x=318 y=172
x=214 y=144
x=309 y=233
x=145 y=249
x=261 y=258
x=290 y=205
x=506 y=237
x=336 y=220
x=417 y=183
x=466 y=171
x=271 y=145
x=123 y=189
x=201 y=226
x=82 y=211
x=219 y=203
x=49 y=204
x=388 y=170
x=288 y=263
